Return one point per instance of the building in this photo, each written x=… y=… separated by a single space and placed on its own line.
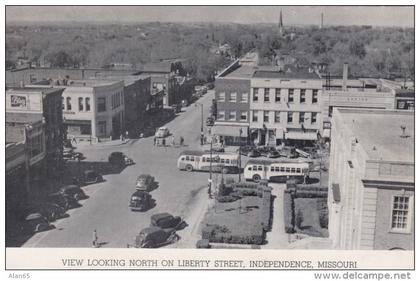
x=93 y=110
x=285 y=107
x=232 y=87
x=26 y=105
x=371 y=174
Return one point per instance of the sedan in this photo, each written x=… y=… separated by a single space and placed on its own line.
x=73 y=191
x=162 y=132
x=166 y=220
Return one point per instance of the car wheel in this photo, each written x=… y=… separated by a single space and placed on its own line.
x=256 y=178
x=189 y=168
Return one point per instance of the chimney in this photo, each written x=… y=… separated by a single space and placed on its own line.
x=345 y=75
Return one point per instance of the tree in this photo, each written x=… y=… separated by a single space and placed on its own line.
x=59 y=59
x=357 y=48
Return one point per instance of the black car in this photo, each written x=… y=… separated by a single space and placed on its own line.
x=210 y=121
x=166 y=220
x=64 y=201
x=269 y=152
x=34 y=223
x=154 y=236
x=141 y=201
x=50 y=211
x=90 y=177
x=117 y=159
x=73 y=191
x=249 y=150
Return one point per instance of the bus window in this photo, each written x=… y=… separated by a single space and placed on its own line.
x=272 y=169
x=227 y=161
x=293 y=170
x=203 y=159
x=192 y=158
x=222 y=160
x=233 y=162
x=182 y=158
x=254 y=168
x=187 y=158
x=260 y=168
x=249 y=168
x=281 y=169
x=287 y=170
x=297 y=170
x=277 y=169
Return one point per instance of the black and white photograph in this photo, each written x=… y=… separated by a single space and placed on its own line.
x=211 y=128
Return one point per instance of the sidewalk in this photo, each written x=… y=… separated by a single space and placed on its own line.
x=117 y=142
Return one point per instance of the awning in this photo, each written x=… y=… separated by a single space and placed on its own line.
x=230 y=130
x=301 y=135
x=77 y=122
x=336 y=192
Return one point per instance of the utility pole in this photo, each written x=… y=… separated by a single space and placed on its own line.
x=240 y=162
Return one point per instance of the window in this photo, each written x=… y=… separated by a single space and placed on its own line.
x=281 y=169
x=293 y=170
x=63 y=107
x=232 y=115
x=254 y=168
x=254 y=116
x=255 y=95
x=232 y=97
x=244 y=116
x=265 y=116
x=289 y=117
x=227 y=161
x=101 y=104
x=102 y=128
x=68 y=102
x=222 y=97
x=277 y=169
x=276 y=116
x=221 y=115
x=297 y=170
x=266 y=94
x=302 y=96
x=314 y=96
x=313 y=117
x=291 y=98
x=271 y=169
x=287 y=170
x=278 y=95
x=260 y=168
x=187 y=158
x=87 y=104
x=301 y=117
x=80 y=104
x=244 y=97
x=330 y=111
x=401 y=220
x=222 y=161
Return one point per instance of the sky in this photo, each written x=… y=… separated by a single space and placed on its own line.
x=402 y=16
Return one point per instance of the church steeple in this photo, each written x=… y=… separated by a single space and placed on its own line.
x=281 y=28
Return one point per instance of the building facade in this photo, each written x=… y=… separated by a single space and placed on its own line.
x=45 y=102
x=285 y=108
x=94 y=110
x=371 y=180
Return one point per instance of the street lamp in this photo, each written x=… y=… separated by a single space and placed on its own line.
x=202 y=116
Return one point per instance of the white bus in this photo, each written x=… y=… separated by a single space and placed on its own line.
x=257 y=170
x=193 y=160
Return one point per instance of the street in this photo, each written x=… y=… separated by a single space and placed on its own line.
x=179 y=193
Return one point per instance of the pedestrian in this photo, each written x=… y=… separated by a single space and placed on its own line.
x=202 y=138
x=154 y=141
x=122 y=137
x=95 y=239
x=163 y=142
x=181 y=141
x=73 y=140
x=126 y=134
x=173 y=140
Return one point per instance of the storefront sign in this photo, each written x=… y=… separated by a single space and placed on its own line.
x=23 y=102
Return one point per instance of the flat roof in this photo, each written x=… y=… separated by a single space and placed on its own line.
x=92 y=83
x=286 y=75
x=379 y=132
x=243 y=71
x=33 y=90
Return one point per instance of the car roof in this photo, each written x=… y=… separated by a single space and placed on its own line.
x=116 y=152
x=144 y=176
x=160 y=216
x=33 y=216
x=150 y=229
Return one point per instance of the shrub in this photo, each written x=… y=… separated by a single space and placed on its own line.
x=289 y=219
x=322 y=208
x=220 y=234
x=229 y=181
x=225 y=189
x=203 y=244
x=299 y=218
x=266 y=213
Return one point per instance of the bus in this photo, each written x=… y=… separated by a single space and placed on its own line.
x=193 y=160
x=257 y=170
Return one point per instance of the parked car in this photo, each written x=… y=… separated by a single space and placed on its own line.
x=154 y=236
x=166 y=220
x=269 y=152
x=35 y=222
x=67 y=144
x=90 y=177
x=64 y=201
x=141 y=201
x=145 y=182
x=51 y=211
x=246 y=149
x=184 y=103
x=117 y=159
x=210 y=86
x=162 y=132
x=176 y=108
x=69 y=153
x=73 y=191
x=210 y=121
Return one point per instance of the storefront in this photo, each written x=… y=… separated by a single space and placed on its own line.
x=231 y=134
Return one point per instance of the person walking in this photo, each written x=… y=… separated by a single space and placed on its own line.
x=154 y=141
x=202 y=138
x=95 y=239
x=173 y=140
x=181 y=141
x=73 y=140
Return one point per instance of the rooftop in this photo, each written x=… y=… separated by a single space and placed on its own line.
x=286 y=75
x=91 y=83
x=379 y=132
x=32 y=90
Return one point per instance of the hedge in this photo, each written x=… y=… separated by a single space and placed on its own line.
x=289 y=216
x=266 y=213
x=310 y=194
x=221 y=234
x=322 y=207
